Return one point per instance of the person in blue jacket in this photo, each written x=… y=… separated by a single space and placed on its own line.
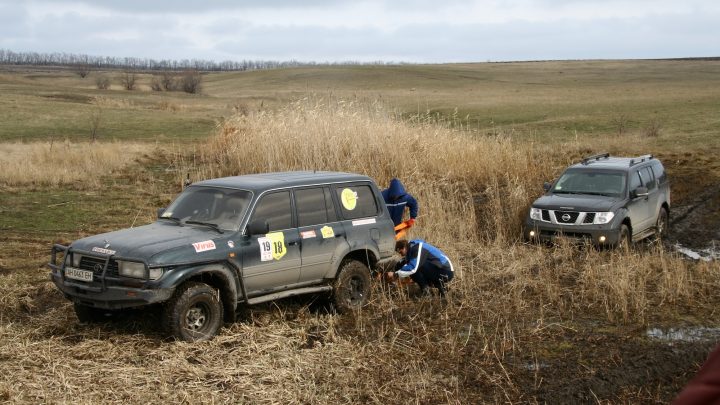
x=425 y=264
x=396 y=199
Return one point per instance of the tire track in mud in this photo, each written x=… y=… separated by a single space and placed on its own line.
x=696 y=224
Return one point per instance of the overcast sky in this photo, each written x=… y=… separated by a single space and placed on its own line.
x=432 y=31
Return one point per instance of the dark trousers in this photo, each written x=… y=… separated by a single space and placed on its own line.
x=430 y=274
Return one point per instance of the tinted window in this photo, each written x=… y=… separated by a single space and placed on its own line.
x=311 y=206
x=356 y=201
x=634 y=180
x=275 y=208
x=332 y=214
x=647 y=178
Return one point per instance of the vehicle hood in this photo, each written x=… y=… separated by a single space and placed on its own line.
x=576 y=202
x=158 y=243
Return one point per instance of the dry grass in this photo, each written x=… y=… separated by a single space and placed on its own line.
x=512 y=308
x=62 y=163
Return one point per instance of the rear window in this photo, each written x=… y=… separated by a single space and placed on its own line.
x=356 y=201
x=314 y=206
x=659 y=171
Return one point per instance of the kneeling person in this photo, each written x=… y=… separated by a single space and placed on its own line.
x=425 y=264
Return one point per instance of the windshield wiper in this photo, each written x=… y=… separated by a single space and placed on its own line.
x=210 y=224
x=177 y=220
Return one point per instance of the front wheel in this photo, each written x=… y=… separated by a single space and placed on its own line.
x=194 y=313
x=624 y=238
x=352 y=286
x=661 y=226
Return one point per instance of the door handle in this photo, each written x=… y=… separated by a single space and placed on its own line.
x=293 y=243
x=339 y=235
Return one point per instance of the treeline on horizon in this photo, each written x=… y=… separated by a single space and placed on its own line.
x=8 y=57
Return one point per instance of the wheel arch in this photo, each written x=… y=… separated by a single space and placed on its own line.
x=218 y=276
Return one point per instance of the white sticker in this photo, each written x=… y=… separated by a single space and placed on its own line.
x=204 y=246
x=104 y=251
x=308 y=234
x=265 y=249
x=363 y=221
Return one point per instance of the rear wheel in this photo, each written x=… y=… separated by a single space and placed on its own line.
x=194 y=312
x=352 y=286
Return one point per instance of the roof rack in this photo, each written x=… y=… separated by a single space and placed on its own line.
x=587 y=160
x=640 y=159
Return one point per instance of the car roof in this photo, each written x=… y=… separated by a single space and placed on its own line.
x=613 y=162
x=266 y=181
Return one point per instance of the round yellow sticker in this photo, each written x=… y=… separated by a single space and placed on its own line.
x=349 y=199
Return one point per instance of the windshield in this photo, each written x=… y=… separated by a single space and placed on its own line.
x=593 y=182
x=223 y=208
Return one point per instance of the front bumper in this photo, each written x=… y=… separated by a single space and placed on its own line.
x=599 y=235
x=106 y=291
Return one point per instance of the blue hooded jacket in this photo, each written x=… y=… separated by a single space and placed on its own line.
x=396 y=199
x=418 y=253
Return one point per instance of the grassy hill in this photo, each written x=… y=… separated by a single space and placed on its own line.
x=545 y=101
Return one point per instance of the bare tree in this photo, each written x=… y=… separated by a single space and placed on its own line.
x=190 y=81
x=156 y=83
x=102 y=82
x=168 y=80
x=95 y=120
x=128 y=80
x=82 y=69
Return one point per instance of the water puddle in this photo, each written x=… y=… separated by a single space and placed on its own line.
x=707 y=254
x=691 y=334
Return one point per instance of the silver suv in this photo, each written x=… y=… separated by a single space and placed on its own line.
x=606 y=200
x=231 y=241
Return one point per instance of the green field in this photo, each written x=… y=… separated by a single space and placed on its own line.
x=544 y=101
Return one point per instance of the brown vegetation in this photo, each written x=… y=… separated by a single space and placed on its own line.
x=522 y=324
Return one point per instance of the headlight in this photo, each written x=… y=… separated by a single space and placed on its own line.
x=131 y=269
x=536 y=214
x=603 y=217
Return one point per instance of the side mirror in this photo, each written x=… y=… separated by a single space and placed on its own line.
x=547 y=185
x=640 y=192
x=258 y=227
x=160 y=211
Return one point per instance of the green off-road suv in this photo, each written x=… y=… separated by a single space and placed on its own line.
x=232 y=241
x=608 y=201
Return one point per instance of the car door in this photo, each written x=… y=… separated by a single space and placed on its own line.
x=638 y=207
x=649 y=181
x=272 y=261
x=321 y=235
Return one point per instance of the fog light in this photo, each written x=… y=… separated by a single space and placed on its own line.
x=532 y=234
x=602 y=239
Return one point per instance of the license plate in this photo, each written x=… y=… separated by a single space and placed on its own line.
x=77 y=274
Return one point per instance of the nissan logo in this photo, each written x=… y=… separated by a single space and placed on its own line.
x=566 y=217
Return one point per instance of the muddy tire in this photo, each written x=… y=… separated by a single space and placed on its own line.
x=624 y=238
x=86 y=314
x=661 y=225
x=352 y=286
x=194 y=313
